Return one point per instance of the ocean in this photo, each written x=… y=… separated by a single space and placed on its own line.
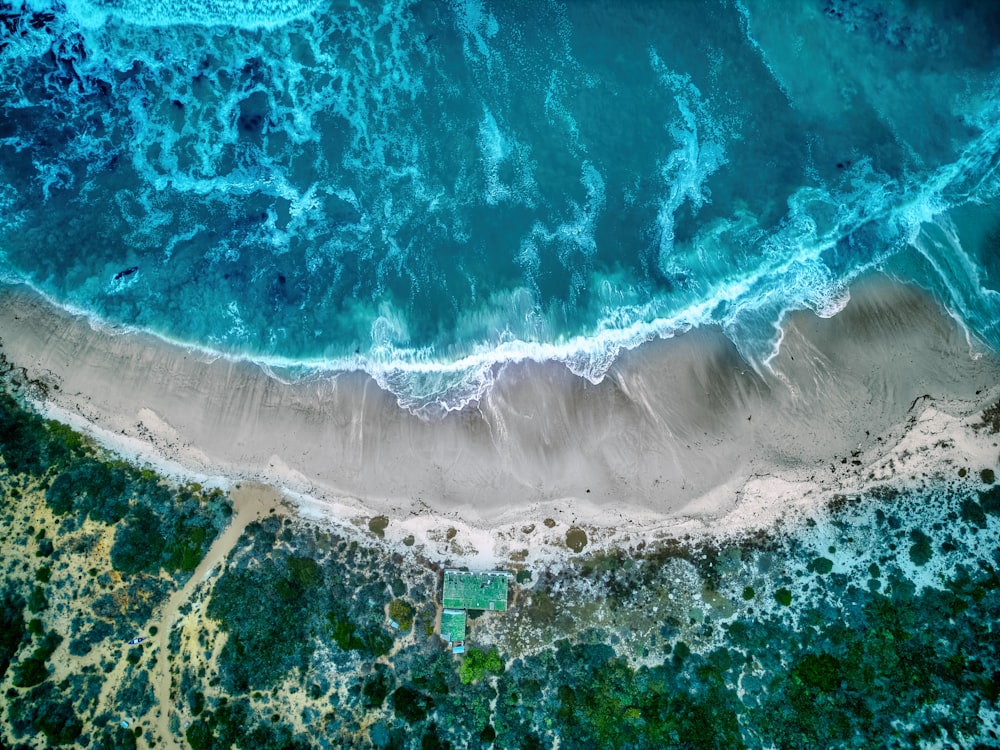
x=428 y=191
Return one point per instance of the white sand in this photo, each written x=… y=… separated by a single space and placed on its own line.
x=681 y=435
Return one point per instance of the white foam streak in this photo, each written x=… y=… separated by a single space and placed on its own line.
x=478 y=26
x=245 y=14
x=687 y=168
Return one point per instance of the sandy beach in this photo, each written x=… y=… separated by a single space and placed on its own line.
x=680 y=429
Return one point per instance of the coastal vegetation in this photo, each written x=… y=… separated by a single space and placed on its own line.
x=92 y=546
x=870 y=623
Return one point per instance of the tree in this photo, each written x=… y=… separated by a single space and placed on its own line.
x=138 y=543
x=477 y=663
x=11 y=628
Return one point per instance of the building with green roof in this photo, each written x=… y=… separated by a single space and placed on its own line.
x=453 y=629
x=464 y=591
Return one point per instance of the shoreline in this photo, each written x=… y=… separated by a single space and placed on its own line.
x=681 y=437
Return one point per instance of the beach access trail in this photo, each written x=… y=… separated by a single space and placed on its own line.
x=250 y=503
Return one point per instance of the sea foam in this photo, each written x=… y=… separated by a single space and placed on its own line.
x=227 y=13
x=427 y=193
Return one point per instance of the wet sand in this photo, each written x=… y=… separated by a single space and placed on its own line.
x=675 y=430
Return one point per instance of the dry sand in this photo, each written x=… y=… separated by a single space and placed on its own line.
x=679 y=428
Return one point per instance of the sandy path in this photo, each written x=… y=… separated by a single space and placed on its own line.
x=250 y=502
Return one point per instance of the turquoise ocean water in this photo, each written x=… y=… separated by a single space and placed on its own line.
x=428 y=190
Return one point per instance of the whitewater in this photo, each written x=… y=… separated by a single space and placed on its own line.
x=426 y=192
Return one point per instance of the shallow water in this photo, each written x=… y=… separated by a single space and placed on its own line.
x=426 y=190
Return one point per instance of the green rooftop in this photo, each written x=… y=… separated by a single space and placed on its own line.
x=475 y=590
x=453 y=625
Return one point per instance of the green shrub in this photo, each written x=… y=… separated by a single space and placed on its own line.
x=72 y=442
x=476 y=663
x=33 y=670
x=185 y=548
x=30 y=672
x=610 y=705
x=377 y=686
x=99 y=489
x=402 y=612
x=199 y=735
x=26 y=444
x=411 y=705
x=37 y=601
x=921 y=550
x=821 y=671
x=44 y=710
x=821 y=565
x=196 y=702
x=304 y=574
x=139 y=543
x=12 y=630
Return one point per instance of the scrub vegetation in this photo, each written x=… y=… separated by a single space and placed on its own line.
x=91 y=546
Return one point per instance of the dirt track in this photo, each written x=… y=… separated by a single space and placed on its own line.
x=250 y=502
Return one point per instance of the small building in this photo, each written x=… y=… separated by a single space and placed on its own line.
x=464 y=590
x=453 y=629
